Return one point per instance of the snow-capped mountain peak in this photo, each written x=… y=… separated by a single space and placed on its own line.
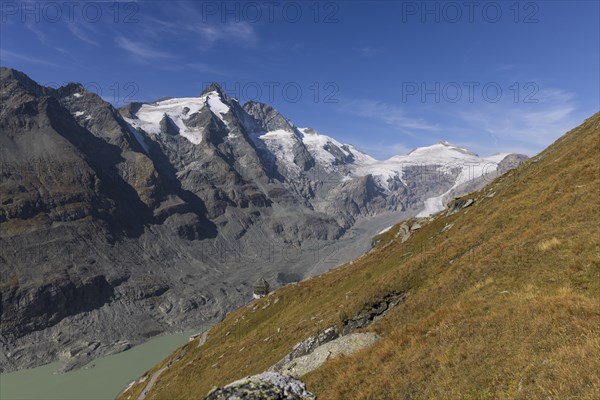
x=216 y=88
x=215 y=102
x=296 y=151
x=151 y=118
x=440 y=149
x=171 y=116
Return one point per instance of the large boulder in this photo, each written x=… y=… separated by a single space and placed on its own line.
x=265 y=386
x=307 y=346
x=344 y=345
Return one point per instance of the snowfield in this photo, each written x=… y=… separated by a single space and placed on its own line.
x=178 y=110
x=217 y=106
x=442 y=158
x=279 y=142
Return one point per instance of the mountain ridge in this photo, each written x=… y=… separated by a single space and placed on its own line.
x=94 y=197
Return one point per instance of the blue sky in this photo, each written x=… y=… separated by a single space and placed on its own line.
x=385 y=76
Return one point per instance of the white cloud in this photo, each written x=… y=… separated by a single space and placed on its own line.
x=238 y=32
x=83 y=32
x=41 y=36
x=9 y=56
x=528 y=126
x=389 y=114
x=140 y=51
x=191 y=21
x=368 y=51
x=483 y=127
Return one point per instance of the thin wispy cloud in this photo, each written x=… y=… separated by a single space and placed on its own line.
x=11 y=57
x=175 y=66
x=64 y=51
x=82 y=32
x=152 y=41
x=40 y=35
x=367 y=51
x=530 y=126
x=392 y=115
x=141 y=51
x=207 y=33
x=210 y=35
x=484 y=127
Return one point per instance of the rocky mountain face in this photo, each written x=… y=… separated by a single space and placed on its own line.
x=117 y=225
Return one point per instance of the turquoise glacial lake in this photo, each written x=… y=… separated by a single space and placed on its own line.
x=108 y=376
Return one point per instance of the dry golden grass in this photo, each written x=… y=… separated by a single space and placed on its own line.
x=548 y=244
x=503 y=305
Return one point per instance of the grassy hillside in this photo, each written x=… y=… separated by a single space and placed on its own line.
x=503 y=300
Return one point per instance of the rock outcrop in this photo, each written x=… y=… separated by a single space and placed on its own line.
x=457 y=205
x=371 y=313
x=306 y=347
x=343 y=345
x=265 y=386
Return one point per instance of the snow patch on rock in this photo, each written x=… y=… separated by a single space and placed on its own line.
x=148 y=117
